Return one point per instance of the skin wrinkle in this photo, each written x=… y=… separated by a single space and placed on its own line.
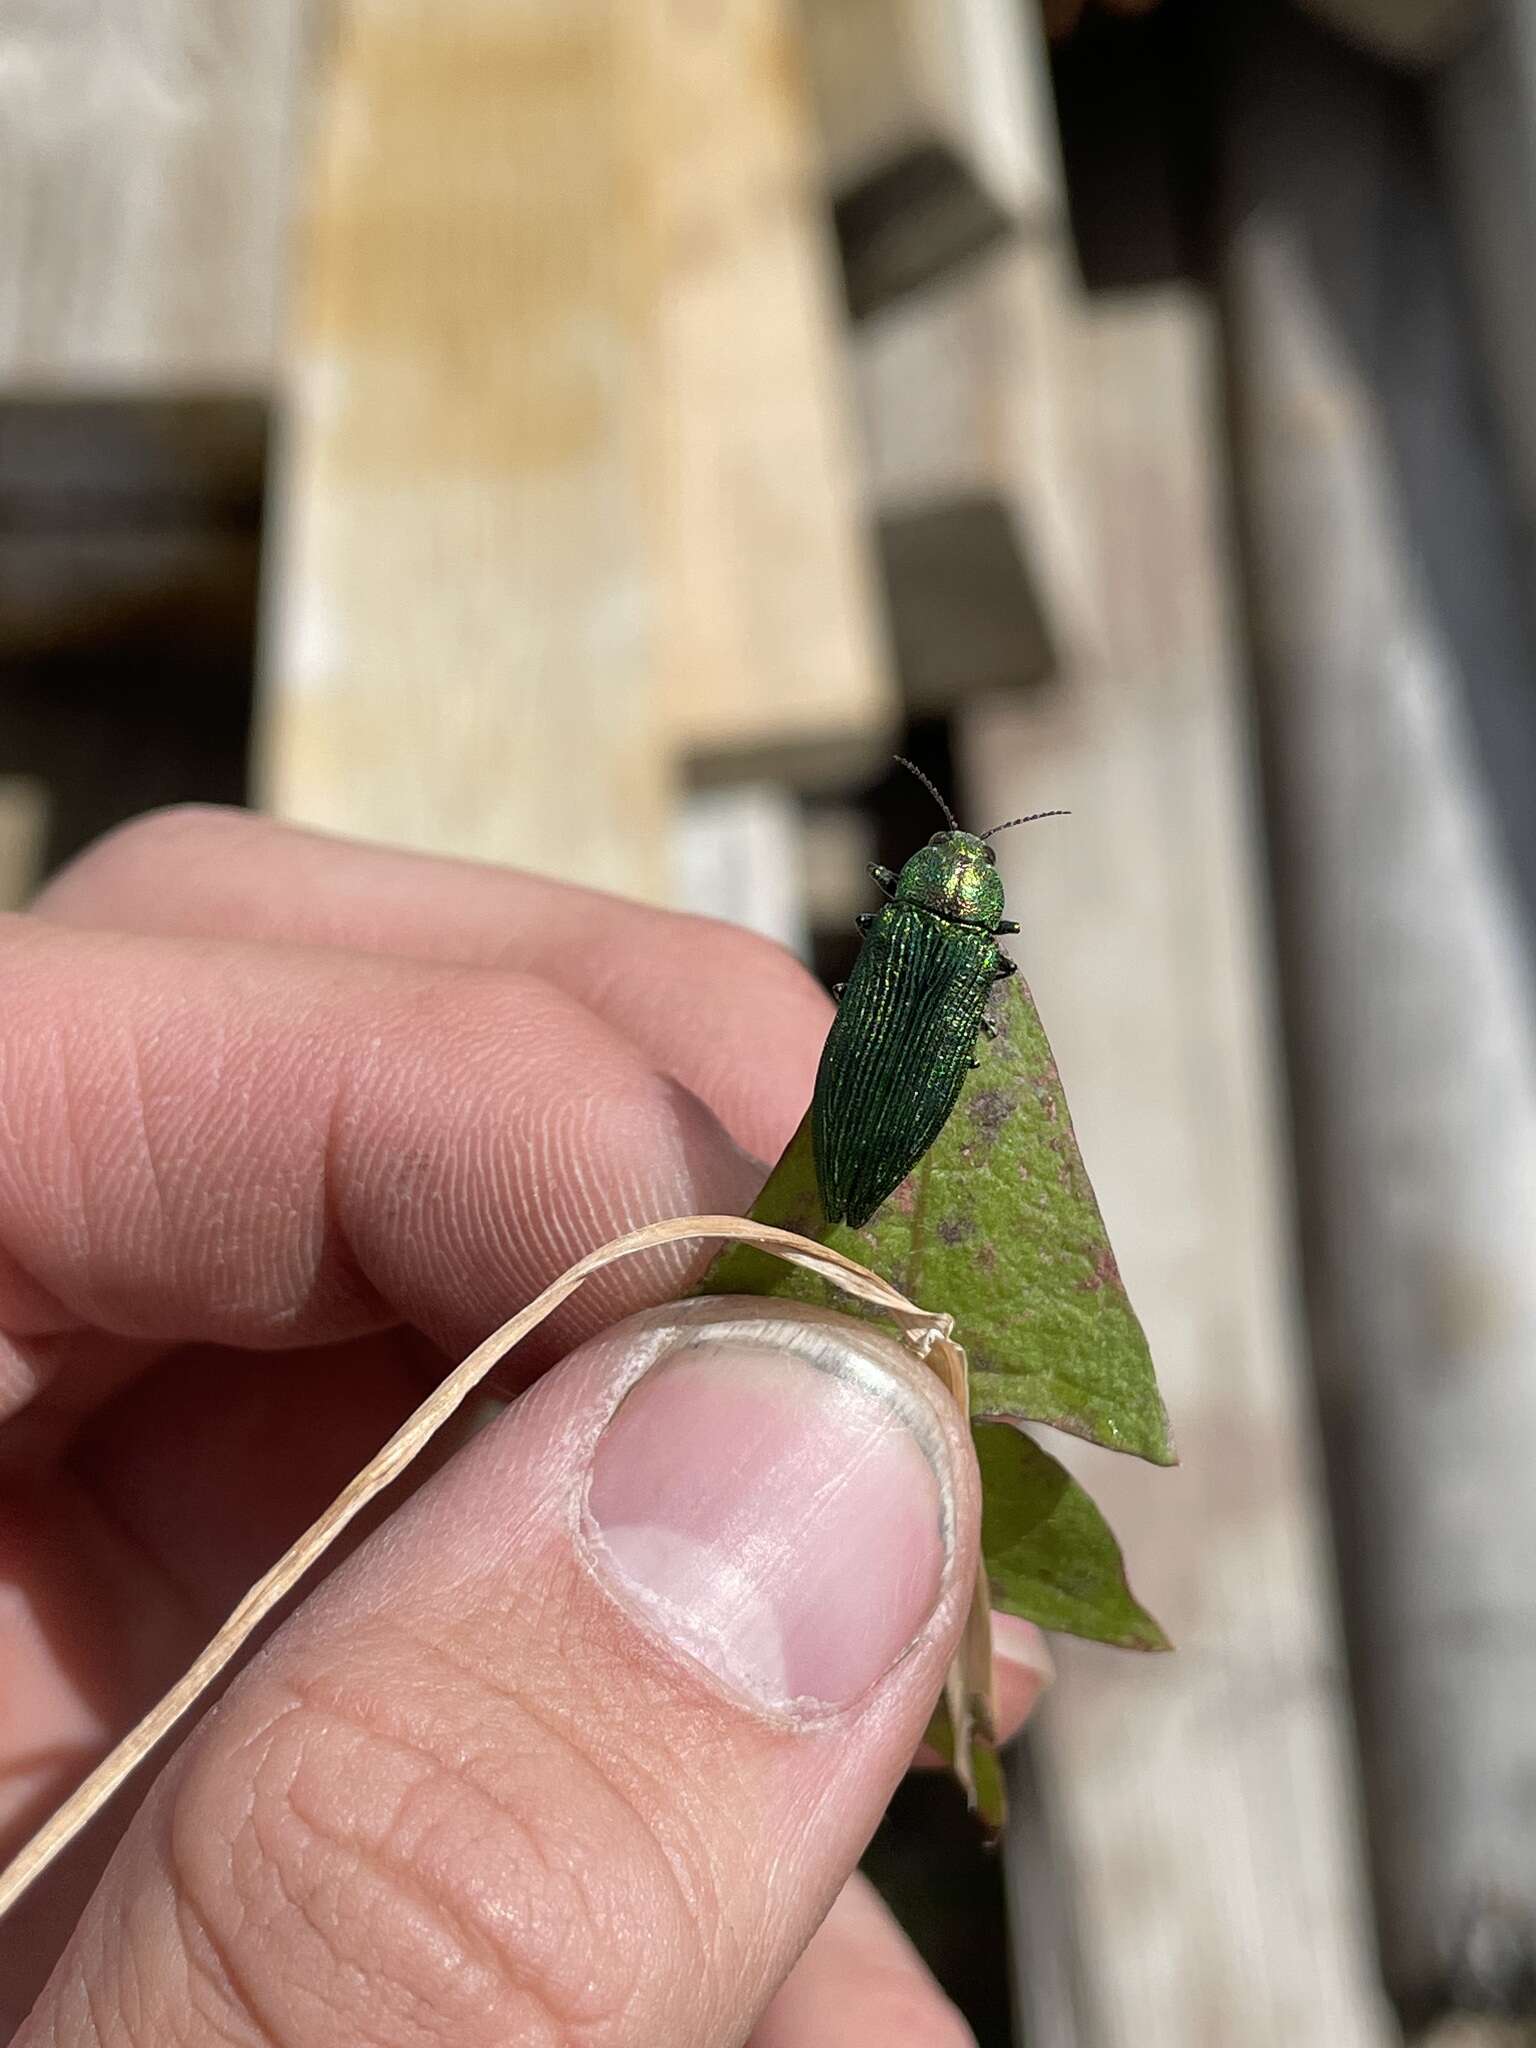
x=75 y=1204
x=335 y=1258
x=469 y=1938
x=400 y=1876
x=205 y=1990
x=493 y=1177
x=88 y=1992
x=325 y=1924
x=138 y=1096
x=230 y=873
x=271 y=2032
x=559 y=1738
x=209 y=1970
x=496 y=1155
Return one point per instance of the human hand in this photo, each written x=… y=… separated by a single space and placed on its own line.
x=289 y=1123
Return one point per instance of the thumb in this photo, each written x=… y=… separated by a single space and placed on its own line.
x=580 y=1746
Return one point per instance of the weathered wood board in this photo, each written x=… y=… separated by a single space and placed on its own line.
x=1395 y=664
x=771 y=651
x=937 y=141
x=461 y=644
x=146 y=159
x=1206 y=1800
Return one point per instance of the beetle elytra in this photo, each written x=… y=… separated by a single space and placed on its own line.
x=909 y=1016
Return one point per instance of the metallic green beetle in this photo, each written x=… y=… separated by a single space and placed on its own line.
x=905 y=1032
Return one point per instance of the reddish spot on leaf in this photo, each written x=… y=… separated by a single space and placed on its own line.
x=1106 y=1273
x=990 y=1109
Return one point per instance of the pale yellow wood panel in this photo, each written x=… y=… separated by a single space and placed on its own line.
x=145 y=163
x=1206 y=1800
x=461 y=653
x=773 y=652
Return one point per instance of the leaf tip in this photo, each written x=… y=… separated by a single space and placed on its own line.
x=1148 y=1635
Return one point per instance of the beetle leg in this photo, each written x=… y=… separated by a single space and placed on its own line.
x=1005 y=967
x=837 y=990
x=883 y=876
x=989 y=1027
x=864 y=920
x=1005 y=928
x=974 y=1065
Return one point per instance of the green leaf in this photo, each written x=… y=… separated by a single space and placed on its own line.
x=1049 y=1553
x=990 y=1799
x=999 y=1227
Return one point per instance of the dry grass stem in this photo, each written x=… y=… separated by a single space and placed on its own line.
x=968 y=1688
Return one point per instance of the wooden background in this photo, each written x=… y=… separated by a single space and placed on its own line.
x=592 y=436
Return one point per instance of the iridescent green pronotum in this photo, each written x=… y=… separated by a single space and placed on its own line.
x=908 y=1017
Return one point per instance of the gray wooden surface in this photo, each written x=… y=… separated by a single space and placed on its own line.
x=1418 y=32
x=146 y=161
x=1206 y=1800
x=1395 y=683
x=931 y=114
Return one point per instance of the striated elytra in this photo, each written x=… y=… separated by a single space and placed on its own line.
x=907 y=1024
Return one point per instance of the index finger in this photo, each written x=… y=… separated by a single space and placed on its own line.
x=733 y=1017
x=272 y=1147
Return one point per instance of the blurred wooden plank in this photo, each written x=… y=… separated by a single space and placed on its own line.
x=738 y=853
x=145 y=158
x=937 y=129
x=1205 y=1800
x=129 y=558
x=461 y=654
x=23 y=835
x=1483 y=108
x=1396 y=657
x=963 y=557
x=131 y=460
x=128 y=519
x=772 y=653
x=1053 y=2002
x=961 y=573
x=1418 y=32
x=1462 y=2030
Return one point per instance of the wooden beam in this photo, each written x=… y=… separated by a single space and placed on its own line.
x=938 y=134
x=1483 y=107
x=461 y=653
x=738 y=853
x=1205 y=1801
x=963 y=555
x=145 y=160
x=23 y=835
x=1422 y=33
x=1395 y=662
x=772 y=655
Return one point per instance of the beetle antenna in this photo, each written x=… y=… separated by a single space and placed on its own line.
x=913 y=769
x=1023 y=821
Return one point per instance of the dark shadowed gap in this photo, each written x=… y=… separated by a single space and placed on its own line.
x=130 y=533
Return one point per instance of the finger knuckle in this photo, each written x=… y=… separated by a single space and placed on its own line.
x=154 y=838
x=414 y=1861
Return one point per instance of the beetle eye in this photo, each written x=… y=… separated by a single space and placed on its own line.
x=990 y=856
x=939 y=839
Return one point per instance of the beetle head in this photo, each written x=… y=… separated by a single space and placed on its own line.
x=956 y=875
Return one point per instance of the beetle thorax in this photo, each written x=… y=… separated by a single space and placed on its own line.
x=955 y=876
